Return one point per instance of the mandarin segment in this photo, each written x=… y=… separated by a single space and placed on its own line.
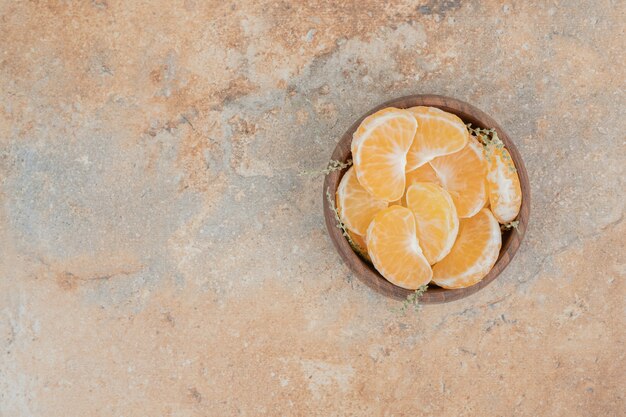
x=358 y=240
x=504 y=189
x=473 y=254
x=438 y=133
x=361 y=243
x=463 y=174
x=425 y=173
x=356 y=206
x=394 y=249
x=379 y=148
x=437 y=223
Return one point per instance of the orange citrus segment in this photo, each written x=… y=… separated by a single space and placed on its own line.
x=438 y=133
x=356 y=206
x=360 y=242
x=473 y=254
x=436 y=221
x=463 y=175
x=505 y=193
x=379 y=148
x=394 y=248
x=425 y=173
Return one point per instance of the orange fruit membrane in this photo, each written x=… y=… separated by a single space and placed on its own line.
x=379 y=148
x=356 y=206
x=504 y=190
x=394 y=249
x=437 y=223
x=473 y=254
x=463 y=174
x=438 y=133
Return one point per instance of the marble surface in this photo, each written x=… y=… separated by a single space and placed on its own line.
x=161 y=256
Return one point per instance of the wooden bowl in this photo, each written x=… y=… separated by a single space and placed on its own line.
x=510 y=239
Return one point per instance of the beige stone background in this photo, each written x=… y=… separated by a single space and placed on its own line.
x=160 y=255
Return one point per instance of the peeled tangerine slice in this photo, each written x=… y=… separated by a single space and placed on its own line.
x=379 y=148
x=360 y=242
x=356 y=206
x=425 y=173
x=438 y=133
x=437 y=224
x=474 y=253
x=395 y=250
x=505 y=193
x=463 y=174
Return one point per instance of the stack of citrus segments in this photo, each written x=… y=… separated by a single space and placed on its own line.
x=425 y=198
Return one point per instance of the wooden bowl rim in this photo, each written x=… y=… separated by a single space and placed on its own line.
x=511 y=240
